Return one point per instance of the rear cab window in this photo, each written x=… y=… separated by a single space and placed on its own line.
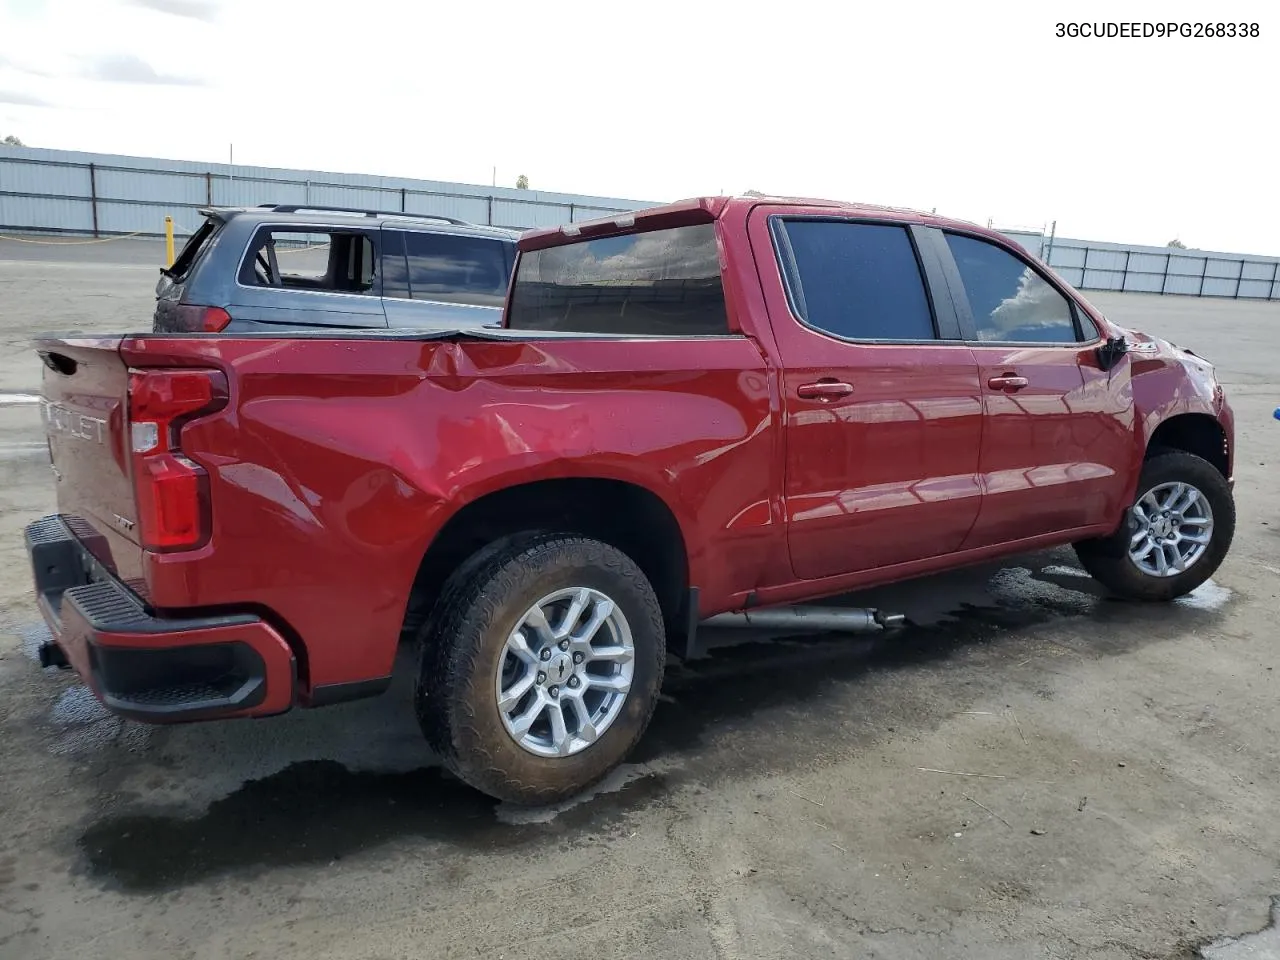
x=659 y=283
x=310 y=258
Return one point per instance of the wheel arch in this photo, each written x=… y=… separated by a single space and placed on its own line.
x=1200 y=434
x=621 y=512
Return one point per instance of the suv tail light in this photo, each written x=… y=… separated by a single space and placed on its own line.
x=171 y=490
x=193 y=318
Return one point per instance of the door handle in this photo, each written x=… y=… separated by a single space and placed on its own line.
x=824 y=390
x=1007 y=381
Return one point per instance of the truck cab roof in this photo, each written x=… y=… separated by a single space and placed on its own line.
x=707 y=209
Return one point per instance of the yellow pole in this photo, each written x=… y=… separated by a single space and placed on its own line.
x=168 y=241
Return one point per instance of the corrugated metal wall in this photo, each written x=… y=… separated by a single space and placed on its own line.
x=1091 y=265
x=61 y=191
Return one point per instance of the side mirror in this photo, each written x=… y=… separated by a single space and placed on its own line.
x=1109 y=353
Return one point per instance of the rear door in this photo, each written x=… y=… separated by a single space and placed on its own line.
x=440 y=279
x=304 y=275
x=880 y=393
x=1042 y=465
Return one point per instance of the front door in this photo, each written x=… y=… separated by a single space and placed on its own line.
x=1046 y=464
x=880 y=395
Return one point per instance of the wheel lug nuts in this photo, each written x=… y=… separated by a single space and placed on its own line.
x=577 y=658
x=564 y=644
x=554 y=691
x=573 y=682
x=542 y=677
x=545 y=655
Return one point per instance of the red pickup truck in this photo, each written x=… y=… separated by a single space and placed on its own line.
x=706 y=407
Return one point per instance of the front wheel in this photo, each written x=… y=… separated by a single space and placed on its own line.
x=1174 y=536
x=541 y=668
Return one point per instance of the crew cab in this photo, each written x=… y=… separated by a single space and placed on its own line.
x=282 y=267
x=718 y=405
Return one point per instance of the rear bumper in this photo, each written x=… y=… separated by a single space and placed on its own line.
x=148 y=668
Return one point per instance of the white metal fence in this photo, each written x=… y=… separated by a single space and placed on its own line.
x=58 y=191
x=1090 y=265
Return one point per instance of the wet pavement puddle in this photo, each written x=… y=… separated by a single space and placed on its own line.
x=310 y=808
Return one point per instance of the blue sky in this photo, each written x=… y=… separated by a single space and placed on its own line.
x=976 y=109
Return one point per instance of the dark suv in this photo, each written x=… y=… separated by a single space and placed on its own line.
x=280 y=266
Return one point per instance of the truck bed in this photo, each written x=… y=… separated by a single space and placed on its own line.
x=339 y=456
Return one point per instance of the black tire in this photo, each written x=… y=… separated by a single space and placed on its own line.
x=456 y=696
x=1107 y=559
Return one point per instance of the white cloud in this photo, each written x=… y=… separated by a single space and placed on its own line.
x=126 y=68
x=18 y=98
x=196 y=9
x=1035 y=304
x=679 y=254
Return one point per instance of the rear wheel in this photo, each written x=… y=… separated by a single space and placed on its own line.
x=541 y=667
x=1174 y=536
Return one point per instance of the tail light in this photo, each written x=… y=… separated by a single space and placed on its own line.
x=171 y=490
x=193 y=318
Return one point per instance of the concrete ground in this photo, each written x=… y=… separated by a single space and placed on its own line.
x=1030 y=771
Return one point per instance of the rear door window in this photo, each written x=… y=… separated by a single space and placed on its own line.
x=311 y=258
x=658 y=283
x=452 y=268
x=855 y=281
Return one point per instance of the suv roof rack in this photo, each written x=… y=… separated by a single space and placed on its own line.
x=295 y=207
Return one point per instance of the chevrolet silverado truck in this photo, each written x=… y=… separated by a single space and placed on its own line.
x=714 y=406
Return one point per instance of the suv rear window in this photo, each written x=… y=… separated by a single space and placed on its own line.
x=196 y=244
x=659 y=283
x=293 y=259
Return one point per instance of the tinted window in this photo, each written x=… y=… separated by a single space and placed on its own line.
x=457 y=269
x=659 y=283
x=1088 y=329
x=395 y=271
x=1009 y=300
x=311 y=260
x=859 y=281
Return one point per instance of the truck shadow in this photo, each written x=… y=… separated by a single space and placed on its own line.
x=315 y=788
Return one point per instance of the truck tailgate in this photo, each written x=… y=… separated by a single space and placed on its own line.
x=85 y=416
